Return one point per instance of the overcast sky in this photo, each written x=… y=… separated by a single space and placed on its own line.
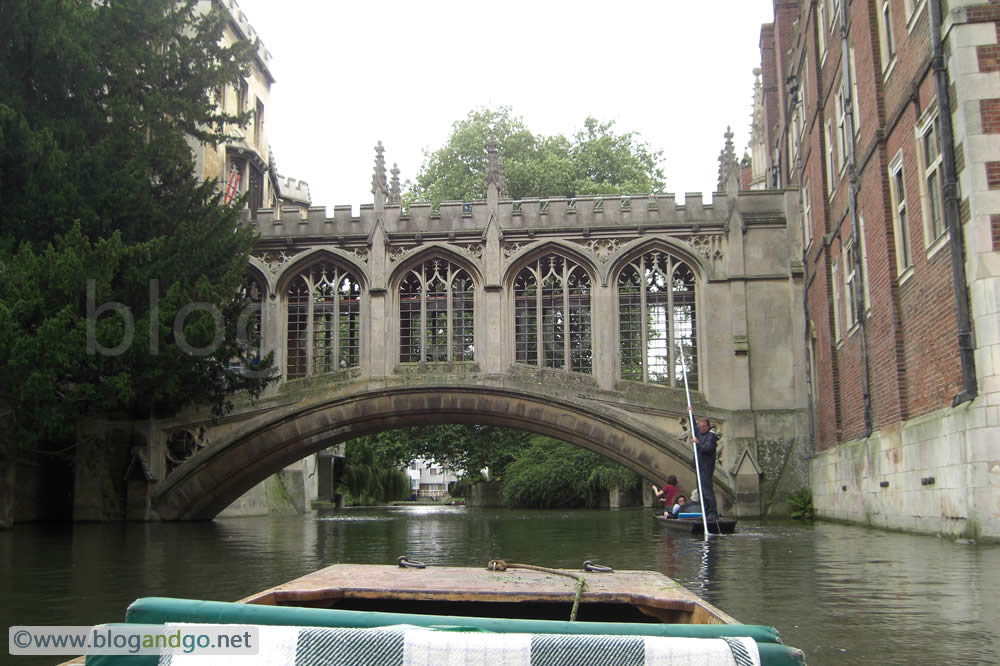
x=351 y=73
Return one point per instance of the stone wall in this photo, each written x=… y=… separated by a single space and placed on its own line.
x=936 y=474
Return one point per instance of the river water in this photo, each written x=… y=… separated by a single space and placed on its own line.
x=844 y=594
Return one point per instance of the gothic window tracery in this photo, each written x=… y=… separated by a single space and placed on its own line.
x=252 y=292
x=552 y=322
x=436 y=313
x=324 y=321
x=657 y=320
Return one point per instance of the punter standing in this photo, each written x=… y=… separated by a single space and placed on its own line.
x=706 y=445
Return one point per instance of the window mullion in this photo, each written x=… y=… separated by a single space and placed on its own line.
x=567 y=363
x=644 y=318
x=449 y=309
x=539 y=326
x=335 y=361
x=671 y=336
x=309 y=325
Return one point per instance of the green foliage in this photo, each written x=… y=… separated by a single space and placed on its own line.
x=98 y=103
x=370 y=476
x=801 y=503
x=553 y=474
x=461 y=447
x=596 y=160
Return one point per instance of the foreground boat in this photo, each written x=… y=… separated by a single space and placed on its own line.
x=458 y=613
x=694 y=524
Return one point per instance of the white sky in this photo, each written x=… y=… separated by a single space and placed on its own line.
x=351 y=73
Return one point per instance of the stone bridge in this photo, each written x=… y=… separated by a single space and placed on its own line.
x=565 y=317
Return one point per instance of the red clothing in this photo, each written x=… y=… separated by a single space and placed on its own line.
x=670 y=493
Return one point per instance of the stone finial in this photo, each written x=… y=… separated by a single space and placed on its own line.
x=495 y=169
x=379 y=186
x=729 y=166
x=395 y=194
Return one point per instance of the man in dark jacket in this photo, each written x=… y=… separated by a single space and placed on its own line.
x=706 y=445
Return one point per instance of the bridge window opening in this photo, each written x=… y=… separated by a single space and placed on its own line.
x=324 y=321
x=436 y=314
x=552 y=305
x=657 y=320
x=252 y=291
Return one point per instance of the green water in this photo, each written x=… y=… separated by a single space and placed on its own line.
x=845 y=595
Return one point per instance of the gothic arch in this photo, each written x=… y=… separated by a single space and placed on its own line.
x=314 y=255
x=437 y=300
x=259 y=272
x=323 y=320
x=553 y=246
x=629 y=251
x=550 y=309
x=420 y=254
x=657 y=290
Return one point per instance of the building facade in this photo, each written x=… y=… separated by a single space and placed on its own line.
x=886 y=117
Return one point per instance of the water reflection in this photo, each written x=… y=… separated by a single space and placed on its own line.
x=844 y=594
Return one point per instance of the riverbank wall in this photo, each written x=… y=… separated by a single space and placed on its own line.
x=936 y=474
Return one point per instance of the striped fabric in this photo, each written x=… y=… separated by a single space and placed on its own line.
x=419 y=646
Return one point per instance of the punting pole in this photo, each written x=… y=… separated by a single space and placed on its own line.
x=694 y=442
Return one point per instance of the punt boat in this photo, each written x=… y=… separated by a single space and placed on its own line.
x=520 y=613
x=692 y=524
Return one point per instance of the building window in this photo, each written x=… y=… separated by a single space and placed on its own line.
x=828 y=135
x=835 y=281
x=821 y=29
x=806 y=216
x=930 y=150
x=887 y=44
x=258 y=123
x=853 y=281
x=657 y=320
x=856 y=119
x=552 y=322
x=436 y=313
x=242 y=92
x=255 y=190
x=842 y=138
x=324 y=321
x=900 y=221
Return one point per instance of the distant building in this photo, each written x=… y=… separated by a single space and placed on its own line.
x=429 y=479
x=896 y=155
x=245 y=165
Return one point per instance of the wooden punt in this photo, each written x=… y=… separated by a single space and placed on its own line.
x=477 y=603
x=696 y=526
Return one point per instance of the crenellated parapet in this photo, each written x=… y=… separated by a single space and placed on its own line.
x=592 y=214
x=242 y=26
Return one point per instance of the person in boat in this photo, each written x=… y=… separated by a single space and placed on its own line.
x=680 y=502
x=706 y=445
x=668 y=493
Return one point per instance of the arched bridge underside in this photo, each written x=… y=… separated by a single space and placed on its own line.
x=280 y=434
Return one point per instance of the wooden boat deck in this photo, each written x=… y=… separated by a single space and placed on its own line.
x=622 y=596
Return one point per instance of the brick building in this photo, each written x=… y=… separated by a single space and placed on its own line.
x=896 y=155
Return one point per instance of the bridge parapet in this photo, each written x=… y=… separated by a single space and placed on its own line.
x=595 y=212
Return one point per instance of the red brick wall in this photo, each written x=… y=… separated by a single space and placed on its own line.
x=913 y=363
x=990 y=110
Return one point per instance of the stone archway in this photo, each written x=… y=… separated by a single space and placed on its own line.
x=215 y=477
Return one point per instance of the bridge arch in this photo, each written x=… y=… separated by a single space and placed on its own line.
x=216 y=476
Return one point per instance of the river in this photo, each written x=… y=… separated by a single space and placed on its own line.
x=844 y=594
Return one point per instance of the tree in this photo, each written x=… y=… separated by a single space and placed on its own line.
x=459 y=447
x=552 y=474
x=595 y=161
x=99 y=204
